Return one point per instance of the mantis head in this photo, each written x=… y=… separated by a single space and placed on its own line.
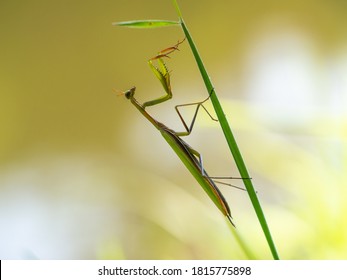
x=130 y=93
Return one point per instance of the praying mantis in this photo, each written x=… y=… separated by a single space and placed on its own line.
x=191 y=158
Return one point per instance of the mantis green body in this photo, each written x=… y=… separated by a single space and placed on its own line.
x=187 y=155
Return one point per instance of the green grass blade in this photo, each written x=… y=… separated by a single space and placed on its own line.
x=230 y=138
x=146 y=23
x=178 y=10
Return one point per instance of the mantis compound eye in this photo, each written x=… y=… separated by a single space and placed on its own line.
x=130 y=93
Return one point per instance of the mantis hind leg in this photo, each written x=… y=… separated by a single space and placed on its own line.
x=203 y=172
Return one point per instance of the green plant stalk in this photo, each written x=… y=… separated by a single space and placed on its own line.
x=229 y=138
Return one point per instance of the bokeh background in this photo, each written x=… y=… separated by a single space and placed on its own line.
x=84 y=176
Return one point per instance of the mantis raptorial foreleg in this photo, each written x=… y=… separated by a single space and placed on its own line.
x=162 y=73
x=167 y=51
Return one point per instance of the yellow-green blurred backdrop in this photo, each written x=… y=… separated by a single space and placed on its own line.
x=84 y=176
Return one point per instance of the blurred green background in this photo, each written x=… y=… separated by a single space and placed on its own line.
x=84 y=176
